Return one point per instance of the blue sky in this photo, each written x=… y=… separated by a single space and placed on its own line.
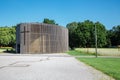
x=13 y=12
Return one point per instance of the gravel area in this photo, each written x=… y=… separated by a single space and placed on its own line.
x=46 y=67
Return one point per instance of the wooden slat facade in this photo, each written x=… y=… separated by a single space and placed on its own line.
x=41 y=38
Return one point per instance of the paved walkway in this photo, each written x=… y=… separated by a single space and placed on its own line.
x=46 y=67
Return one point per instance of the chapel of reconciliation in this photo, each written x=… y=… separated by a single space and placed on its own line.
x=40 y=38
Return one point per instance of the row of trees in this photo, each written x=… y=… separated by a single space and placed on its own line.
x=82 y=34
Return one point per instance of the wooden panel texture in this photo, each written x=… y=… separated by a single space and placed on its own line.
x=42 y=38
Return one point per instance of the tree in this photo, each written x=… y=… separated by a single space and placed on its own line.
x=85 y=31
x=73 y=37
x=48 y=21
x=102 y=34
x=108 y=38
x=12 y=35
x=82 y=34
x=7 y=36
x=4 y=38
x=114 y=35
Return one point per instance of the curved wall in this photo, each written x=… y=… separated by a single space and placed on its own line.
x=42 y=38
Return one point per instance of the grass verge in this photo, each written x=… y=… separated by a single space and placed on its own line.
x=2 y=50
x=110 y=66
x=79 y=53
x=7 y=49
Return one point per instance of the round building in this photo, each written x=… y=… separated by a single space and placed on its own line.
x=41 y=38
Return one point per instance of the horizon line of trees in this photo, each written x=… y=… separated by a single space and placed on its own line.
x=81 y=34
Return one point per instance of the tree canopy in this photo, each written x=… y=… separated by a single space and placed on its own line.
x=114 y=36
x=82 y=34
x=48 y=21
x=7 y=36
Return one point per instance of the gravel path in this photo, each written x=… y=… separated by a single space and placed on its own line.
x=46 y=67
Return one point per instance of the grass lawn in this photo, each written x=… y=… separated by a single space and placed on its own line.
x=79 y=53
x=7 y=49
x=110 y=66
x=2 y=50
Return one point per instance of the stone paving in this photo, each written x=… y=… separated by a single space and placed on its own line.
x=46 y=67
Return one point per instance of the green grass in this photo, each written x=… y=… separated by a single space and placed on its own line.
x=79 y=53
x=2 y=50
x=110 y=66
x=7 y=49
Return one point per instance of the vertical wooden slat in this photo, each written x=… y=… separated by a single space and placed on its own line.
x=42 y=38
